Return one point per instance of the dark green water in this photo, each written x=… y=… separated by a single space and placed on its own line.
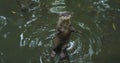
x=26 y=36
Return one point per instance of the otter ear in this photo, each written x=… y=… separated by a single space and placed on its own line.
x=69 y=16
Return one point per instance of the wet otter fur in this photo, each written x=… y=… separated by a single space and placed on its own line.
x=62 y=36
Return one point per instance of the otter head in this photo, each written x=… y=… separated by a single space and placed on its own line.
x=64 y=19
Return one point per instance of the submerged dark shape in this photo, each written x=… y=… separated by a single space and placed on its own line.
x=61 y=38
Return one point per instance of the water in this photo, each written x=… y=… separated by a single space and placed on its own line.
x=26 y=35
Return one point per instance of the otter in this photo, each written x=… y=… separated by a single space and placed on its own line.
x=62 y=35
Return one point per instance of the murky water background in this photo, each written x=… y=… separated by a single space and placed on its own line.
x=26 y=36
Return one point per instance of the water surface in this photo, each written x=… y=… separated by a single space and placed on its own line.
x=26 y=36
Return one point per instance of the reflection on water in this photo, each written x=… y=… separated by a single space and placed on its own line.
x=58 y=6
x=27 y=36
x=3 y=22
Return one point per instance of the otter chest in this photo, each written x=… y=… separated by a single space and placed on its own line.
x=65 y=32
